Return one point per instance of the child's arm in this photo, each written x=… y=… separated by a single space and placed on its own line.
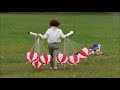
x=67 y=35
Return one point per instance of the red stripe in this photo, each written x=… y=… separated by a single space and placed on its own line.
x=31 y=55
x=75 y=58
x=36 y=64
x=40 y=60
x=46 y=58
x=69 y=62
x=83 y=53
x=63 y=58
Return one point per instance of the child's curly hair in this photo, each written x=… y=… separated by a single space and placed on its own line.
x=54 y=22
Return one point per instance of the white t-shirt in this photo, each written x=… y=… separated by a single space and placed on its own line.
x=53 y=35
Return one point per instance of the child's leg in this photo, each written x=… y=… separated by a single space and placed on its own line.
x=52 y=61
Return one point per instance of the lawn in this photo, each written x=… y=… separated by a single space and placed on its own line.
x=90 y=28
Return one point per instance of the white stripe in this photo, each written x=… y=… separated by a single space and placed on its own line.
x=85 y=50
x=28 y=56
x=81 y=56
x=34 y=56
x=39 y=64
x=99 y=47
x=60 y=56
x=72 y=59
x=49 y=57
x=42 y=59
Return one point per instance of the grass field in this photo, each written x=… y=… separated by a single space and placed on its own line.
x=90 y=28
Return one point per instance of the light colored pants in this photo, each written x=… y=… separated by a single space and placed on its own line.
x=54 y=48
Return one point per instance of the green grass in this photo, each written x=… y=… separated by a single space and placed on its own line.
x=90 y=28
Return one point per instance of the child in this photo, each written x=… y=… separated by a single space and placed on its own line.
x=53 y=36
